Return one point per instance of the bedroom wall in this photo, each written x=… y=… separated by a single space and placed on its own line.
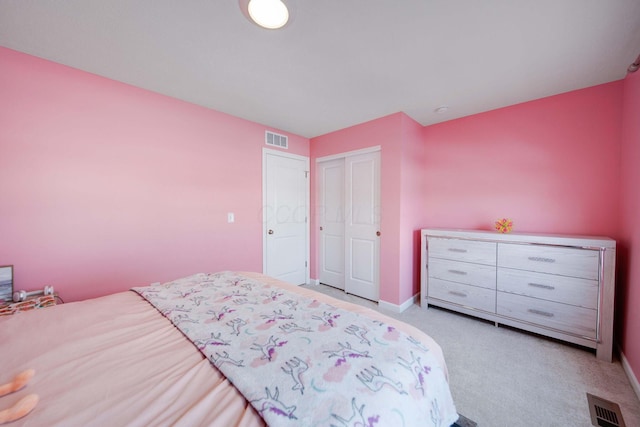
x=552 y=165
x=105 y=186
x=411 y=207
x=387 y=133
x=629 y=289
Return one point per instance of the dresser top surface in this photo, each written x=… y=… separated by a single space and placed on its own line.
x=549 y=239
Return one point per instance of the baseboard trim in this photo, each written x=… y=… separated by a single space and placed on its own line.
x=399 y=308
x=314 y=281
x=632 y=377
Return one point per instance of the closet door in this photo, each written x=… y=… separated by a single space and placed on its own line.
x=362 y=225
x=331 y=186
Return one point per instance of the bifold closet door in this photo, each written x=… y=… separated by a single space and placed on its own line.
x=362 y=225
x=331 y=187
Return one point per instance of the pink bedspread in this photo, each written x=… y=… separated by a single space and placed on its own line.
x=116 y=361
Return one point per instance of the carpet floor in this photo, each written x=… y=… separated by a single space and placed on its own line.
x=501 y=376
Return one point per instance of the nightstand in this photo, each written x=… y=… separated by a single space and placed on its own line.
x=28 y=304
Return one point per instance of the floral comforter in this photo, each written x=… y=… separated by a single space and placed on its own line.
x=302 y=362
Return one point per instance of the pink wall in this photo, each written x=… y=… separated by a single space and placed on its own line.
x=385 y=132
x=411 y=207
x=402 y=153
x=629 y=247
x=552 y=165
x=106 y=186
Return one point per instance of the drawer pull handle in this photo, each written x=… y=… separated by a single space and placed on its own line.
x=541 y=259
x=458 y=293
x=458 y=250
x=460 y=272
x=540 y=312
x=541 y=286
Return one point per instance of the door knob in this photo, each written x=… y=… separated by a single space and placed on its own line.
x=270 y=231
x=378 y=233
x=320 y=228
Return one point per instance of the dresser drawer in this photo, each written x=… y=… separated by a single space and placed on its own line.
x=463 y=272
x=462 y=250
x=465 y=295
x=566 y=318
x=550 y=259
x=550 y=287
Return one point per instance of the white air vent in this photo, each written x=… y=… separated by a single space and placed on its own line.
x=276 y=140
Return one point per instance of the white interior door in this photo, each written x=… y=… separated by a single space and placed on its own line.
x=362 y=226
x=331 y=186
x=286 y=204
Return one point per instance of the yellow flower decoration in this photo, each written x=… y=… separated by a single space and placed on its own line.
x=504 y=225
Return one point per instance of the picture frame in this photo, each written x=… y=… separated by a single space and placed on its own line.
x=6 y=284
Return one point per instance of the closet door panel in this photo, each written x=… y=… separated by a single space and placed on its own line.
x=362 y=226
x=331 y=217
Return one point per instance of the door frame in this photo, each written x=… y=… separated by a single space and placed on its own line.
x=349 y=153
x=267 y=152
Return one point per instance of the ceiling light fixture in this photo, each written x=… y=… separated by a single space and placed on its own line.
x=271 y=14
x=442 y=109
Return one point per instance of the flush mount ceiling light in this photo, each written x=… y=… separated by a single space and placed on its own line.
x=442 y=109
x=270 y=14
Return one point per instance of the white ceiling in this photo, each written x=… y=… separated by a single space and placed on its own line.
x=338 y=62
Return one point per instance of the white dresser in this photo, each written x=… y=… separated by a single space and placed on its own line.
x=554 y=285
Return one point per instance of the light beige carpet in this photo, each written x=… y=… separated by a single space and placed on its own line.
x=502 y=377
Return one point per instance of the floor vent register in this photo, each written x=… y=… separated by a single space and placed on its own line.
x=604 y=413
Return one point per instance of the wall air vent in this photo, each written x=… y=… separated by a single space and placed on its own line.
x=276 y=139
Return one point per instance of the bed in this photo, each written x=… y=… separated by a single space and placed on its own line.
x=128 y=359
